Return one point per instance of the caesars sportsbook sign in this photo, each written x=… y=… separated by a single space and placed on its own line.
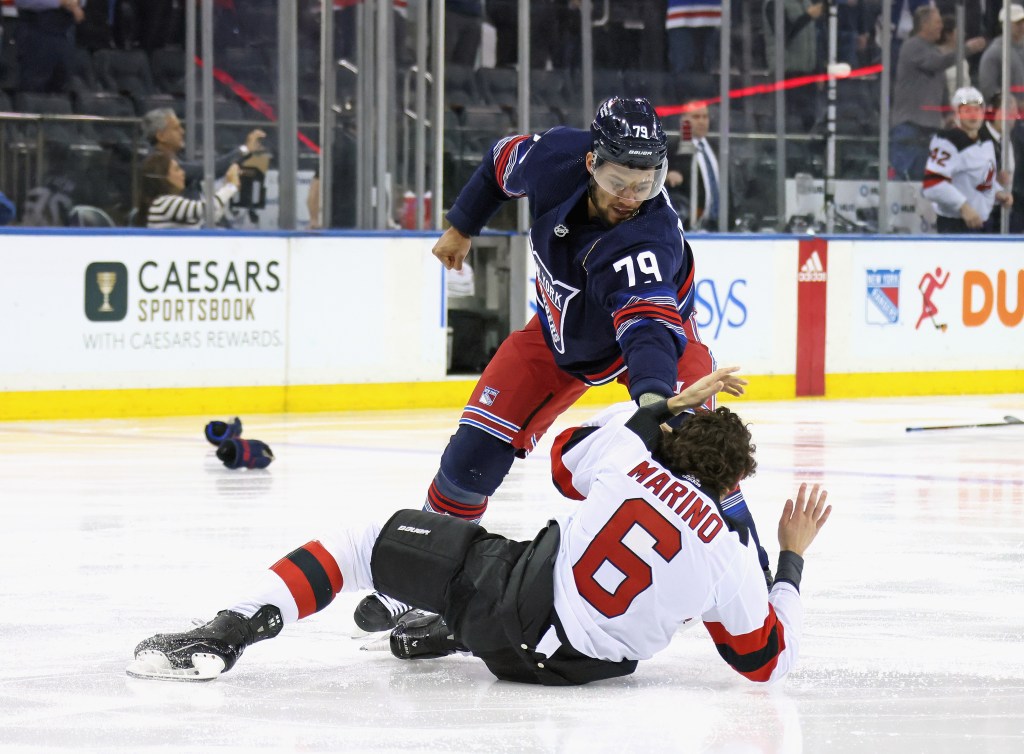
x=148 y=312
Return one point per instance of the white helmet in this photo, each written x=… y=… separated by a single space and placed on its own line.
x=967 y=95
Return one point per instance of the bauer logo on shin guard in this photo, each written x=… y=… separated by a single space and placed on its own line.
x=237 y=453
x=413 y=530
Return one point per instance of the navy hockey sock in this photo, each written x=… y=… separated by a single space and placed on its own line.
x=218 y=431
x=445 y=498
x=472 y=467
x=734 y=506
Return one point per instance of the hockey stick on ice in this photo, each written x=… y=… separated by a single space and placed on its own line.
x=1007 y=421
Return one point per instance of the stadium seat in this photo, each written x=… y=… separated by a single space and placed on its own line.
x=84 y=216
x=83 y=73
x=125 y=71
x=55 y=133
x=109 y=105
x=460 y=88
x=161 y=101
x=499 y=87
x=168 y=70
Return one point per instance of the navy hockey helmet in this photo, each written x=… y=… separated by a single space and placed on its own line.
x=627 y=131
x=629 y=142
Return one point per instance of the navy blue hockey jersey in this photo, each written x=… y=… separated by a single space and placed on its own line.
x=610 y=298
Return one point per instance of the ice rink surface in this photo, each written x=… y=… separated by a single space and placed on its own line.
x=114 y=530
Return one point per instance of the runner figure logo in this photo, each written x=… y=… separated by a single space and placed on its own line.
x=883 y=297
x=928 y=285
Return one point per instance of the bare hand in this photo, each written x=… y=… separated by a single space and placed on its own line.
x=801 y=521
x=73 y=7
x=451 y=248
x=673 y=178
x=1005 y=198
x=233 y=175
x=974 y=44
x=720 y=381
x=254 y=140
x=815 y=11
x=971 y=218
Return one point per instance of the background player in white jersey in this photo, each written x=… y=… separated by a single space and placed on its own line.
x=648 y=550
x=961 y=176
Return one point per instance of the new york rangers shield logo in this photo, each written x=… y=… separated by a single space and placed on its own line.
x=553 y=296
x=883 y=297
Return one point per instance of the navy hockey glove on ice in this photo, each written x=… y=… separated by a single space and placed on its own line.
x=237 y=453
x=217 y=431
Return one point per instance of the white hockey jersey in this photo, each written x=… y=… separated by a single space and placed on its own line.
x=960 y=170
x=647 y=551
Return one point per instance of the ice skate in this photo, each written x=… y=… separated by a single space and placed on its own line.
x=378 y=612
x=205 y=652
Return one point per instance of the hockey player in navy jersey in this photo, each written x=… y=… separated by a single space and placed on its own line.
x=615 y=291
x=650 y=549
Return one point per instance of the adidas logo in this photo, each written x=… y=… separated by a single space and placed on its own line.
x=812 y=271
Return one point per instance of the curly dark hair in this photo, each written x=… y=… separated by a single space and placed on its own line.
x=713 y=446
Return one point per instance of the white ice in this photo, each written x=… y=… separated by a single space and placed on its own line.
x=114 y=530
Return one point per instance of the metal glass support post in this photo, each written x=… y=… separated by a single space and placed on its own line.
x=883 y=119
x=190 y=80
x=523 y=100
x=438 y=109
x=587 y=55
x=725 y=64
x=287 y=112
x=830 y=122
x=384 y=87
x=328 y=68
x=1004 y=96
x=420 y=137
x=779 y=26
x=208 y=116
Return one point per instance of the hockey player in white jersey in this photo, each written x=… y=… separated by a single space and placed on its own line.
x=960 y=178
x=597 y=590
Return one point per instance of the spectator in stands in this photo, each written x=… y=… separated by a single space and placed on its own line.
x=161 y=202
x=463 y=24
x=920 y=93
x=46 y=43
x=1017 y=145
x=164 y=132
x=692 y=31
x=801 y=57
x=994 y=127
x=7 y=210
x=694 y=158
x=990 y=70
x=554 y=31
x=960 y=178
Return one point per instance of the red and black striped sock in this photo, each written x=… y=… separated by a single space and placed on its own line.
x=312 y=576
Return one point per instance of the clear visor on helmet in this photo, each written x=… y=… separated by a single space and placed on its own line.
x=634 y=184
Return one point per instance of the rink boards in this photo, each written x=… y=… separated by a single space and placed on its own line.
x=135 y=323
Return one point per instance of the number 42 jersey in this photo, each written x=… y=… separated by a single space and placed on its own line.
x=647 y=552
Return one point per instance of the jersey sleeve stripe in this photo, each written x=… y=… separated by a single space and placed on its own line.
x=933 y=179
x=505 y=153
x=561 y=475
x=606 y=375
x=753 y=655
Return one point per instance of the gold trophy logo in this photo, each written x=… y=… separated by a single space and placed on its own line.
x=106 y=291
x=106 y=282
